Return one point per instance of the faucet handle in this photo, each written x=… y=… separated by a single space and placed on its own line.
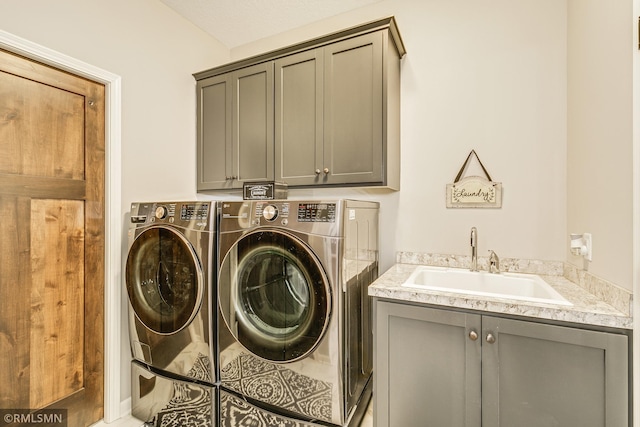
x=494 y=262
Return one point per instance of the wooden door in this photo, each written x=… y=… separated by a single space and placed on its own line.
x=52 y=159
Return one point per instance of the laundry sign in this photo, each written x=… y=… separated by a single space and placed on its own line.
x=474 y=191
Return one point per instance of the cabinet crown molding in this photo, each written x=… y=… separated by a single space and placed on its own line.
x=388 y=23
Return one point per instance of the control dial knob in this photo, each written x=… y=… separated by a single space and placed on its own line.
x=161 y=212
x=270 y=212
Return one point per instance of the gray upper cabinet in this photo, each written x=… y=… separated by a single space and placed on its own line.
x=438 y=367
x=330 y=117
x=235 y=128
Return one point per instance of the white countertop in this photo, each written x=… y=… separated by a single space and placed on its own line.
x=587 y=309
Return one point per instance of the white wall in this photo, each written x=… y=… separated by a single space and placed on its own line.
x=600 y=161
x=155 y=52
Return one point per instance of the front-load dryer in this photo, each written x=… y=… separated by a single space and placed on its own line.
x=169 y=274
x=294 y=333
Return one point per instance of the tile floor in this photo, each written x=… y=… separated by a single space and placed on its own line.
x=130 y=421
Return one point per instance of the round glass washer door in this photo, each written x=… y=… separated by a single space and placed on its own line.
x=164 y=280
x=274 y=296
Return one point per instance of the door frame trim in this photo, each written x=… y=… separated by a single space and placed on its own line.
x=113 y=197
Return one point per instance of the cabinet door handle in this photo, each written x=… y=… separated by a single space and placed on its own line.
x=473 y=335
x=317 y=171
x=326 y=170
x=490 y=338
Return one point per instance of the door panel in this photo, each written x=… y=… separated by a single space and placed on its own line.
x=15 y=286
x=57 y=151
x=52 y=160
x=537 y=375
x=57 y=299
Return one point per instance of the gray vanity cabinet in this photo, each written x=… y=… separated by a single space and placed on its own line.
x=437 y=367
x=235 y=128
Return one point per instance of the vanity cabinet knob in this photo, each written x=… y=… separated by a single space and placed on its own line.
x=490 y=338
x=473 y=335
x=326 y=170
x=317 y=171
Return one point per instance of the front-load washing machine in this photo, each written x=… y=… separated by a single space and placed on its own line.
x=294 y=324
x=170 y=281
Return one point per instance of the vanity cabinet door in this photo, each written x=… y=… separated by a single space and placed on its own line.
x=542 y=375
x=427 y=367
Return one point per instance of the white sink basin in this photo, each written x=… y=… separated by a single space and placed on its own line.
x=527 y=287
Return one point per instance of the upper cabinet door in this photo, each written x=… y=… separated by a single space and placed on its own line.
x=353 y=111
x=253 y=124
x=298 y=124
x=235 y=128
x=214 y=166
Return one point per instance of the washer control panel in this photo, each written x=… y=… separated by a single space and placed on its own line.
x=185 y=214
x=317 y=216
x=303 y=211
x=316 y=212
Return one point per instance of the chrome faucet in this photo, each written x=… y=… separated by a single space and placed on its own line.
x=494 y=262
x=474 y=249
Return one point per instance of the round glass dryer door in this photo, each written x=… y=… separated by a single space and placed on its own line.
x=164 y=280
x=274 y=296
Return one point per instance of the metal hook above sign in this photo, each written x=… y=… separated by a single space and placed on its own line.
x=474 y=191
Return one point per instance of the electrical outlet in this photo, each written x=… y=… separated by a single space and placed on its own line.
x=588 y=242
